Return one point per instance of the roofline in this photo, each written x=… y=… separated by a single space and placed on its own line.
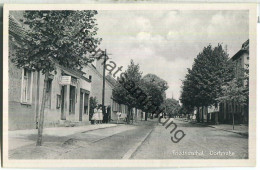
x=238 y=54
x=100 y=75
x=75 y=73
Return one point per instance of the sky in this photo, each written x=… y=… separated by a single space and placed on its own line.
x=165 y=43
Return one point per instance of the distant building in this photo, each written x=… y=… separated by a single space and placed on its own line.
x=96 y=74
x=241 y=60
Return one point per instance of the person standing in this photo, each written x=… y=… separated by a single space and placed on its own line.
x=105 y=116
x=118 y=116
x=108 y=113
x=95 y=115
x=100 y=115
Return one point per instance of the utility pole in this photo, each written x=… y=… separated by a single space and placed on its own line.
x=104 y=82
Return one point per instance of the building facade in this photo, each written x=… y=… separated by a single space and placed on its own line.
x=95 y=73
x=67 y=97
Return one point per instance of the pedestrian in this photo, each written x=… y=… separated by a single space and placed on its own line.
x=95 y=115
x=100 y=115
x=118 y=116
x=108 y=113
x=105 y=119
x=160 y=117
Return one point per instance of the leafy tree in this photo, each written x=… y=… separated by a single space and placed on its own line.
x=233 y=92
x=171 y=106
x=185 y=110
x=128 y=82
x=246 y=87
x=154 y=87
x=147 y=93
x=154 y=79
x=210 y=71
x=55 y=37
x=154 y=97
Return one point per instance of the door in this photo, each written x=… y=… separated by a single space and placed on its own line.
x=63 y=116
x=81 y=106
x=72 y=100
x=86 y=98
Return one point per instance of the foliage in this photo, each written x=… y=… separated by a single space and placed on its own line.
x=185 y=110
x=160 y=83
x=210 y=71
x=172 y=106
x=93 y=102
x=123 y=91
x=154 y=87
x=146 y=93
x=65 y=37
x=233 y=92
x=54 y=37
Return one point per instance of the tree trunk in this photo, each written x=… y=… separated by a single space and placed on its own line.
x=145 y=116
x=198 y=115
x=233 y=120
x=207 y=115
x=41 y=120
x=135 y=114
x=128 y=115
x=202 y=113
x=37 y=99
x=132 y=116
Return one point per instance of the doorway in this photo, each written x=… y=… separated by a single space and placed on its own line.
x=63 y=115
x=72 y=97
x=81 y=106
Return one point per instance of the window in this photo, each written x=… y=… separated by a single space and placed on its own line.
x=115 y=106
x=58 y=102
x=72 y=96
x=48 y=94
x=26 y=92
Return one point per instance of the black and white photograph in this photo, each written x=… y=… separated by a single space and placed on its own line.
x=129 y=85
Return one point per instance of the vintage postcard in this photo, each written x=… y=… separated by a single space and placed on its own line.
x=129 y=85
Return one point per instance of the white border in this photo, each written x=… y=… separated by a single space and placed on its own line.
x=137 y=163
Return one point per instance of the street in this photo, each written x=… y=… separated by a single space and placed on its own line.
x=206 y=141
x=143 y=140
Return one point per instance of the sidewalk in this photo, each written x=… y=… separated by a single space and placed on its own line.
x=20 y=138
x=240 y=129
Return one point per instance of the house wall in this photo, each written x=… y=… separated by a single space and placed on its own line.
x=240 y=63
x=53 y=114
x=24 y=116
x=97 y=85
x=20 y=116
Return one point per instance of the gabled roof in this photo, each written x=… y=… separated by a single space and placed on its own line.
x=244 y=49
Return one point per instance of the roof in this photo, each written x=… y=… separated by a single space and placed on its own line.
x=91 y=66
x=16 y=29
x=111 y=80
x=244 y=49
